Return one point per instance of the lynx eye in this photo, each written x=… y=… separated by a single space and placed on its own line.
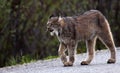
x=51 y=24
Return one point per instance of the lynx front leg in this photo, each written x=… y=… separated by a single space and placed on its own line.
x=71 y=53
x=62 y=54
x=90 y=44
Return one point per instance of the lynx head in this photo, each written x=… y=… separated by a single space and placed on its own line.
x=54 y=25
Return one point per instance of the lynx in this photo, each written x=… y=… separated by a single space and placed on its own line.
x=86 y=27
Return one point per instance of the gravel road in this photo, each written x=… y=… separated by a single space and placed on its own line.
x=98 y=65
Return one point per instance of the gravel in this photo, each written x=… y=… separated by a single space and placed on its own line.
x=98 y=65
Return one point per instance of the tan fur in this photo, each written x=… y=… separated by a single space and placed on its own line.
x=87 y=27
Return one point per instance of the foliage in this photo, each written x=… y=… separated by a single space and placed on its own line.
x=23 y=25
x=19 y=60
x=50 y=57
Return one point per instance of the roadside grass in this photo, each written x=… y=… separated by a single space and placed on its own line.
x=24 y=59
x=50 y=57
x=20 y=60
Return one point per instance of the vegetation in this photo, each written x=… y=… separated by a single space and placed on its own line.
x=50 y=57
x=23 y=26
x=19 y=60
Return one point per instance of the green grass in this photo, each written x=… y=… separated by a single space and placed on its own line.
x=24 y=59
x=20 y=60
x=50 y=57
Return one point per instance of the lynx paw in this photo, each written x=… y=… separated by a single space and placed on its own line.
x=111 y=61
x=84 y=63
x=66 y=64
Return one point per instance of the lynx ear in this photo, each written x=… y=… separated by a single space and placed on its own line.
x=61 y=21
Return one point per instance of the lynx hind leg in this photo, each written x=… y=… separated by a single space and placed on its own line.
x=90 y=44
x=107 y=39
x=62 y=54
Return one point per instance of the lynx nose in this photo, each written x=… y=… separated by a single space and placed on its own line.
x=49 y=29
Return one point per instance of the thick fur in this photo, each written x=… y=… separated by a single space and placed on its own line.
x=87 y=27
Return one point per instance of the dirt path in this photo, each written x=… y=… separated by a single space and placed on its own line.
x=98 y=65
